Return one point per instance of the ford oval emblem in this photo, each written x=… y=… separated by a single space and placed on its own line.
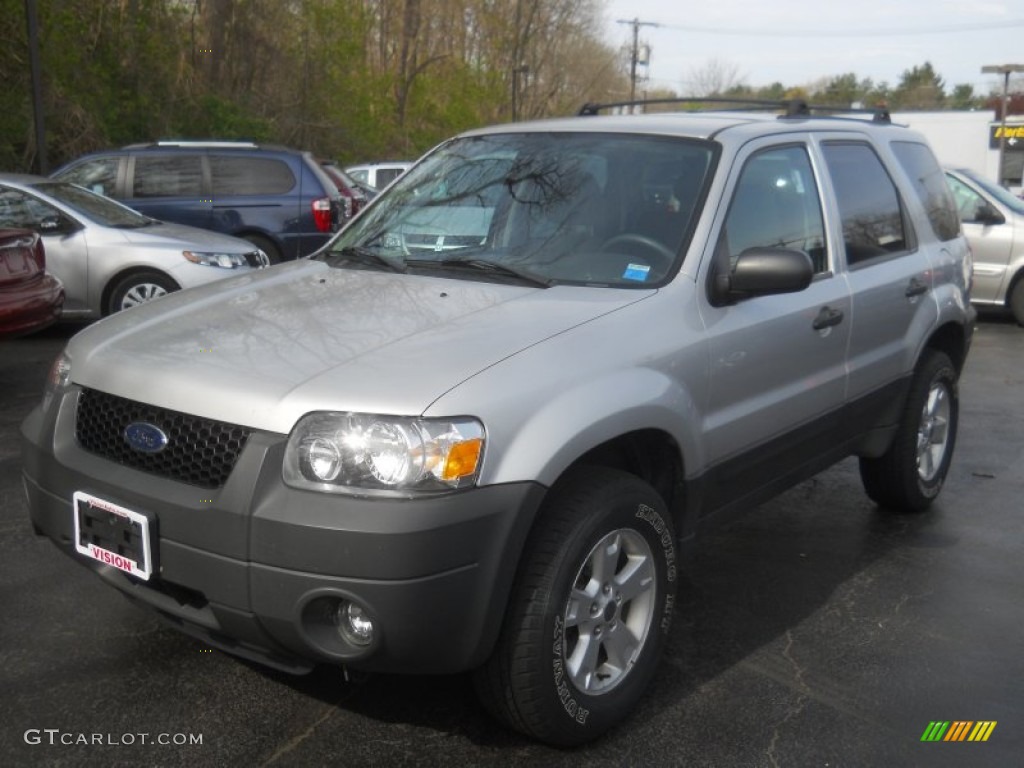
x=144 y=437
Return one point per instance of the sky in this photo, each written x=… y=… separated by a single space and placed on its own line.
x=798 y=42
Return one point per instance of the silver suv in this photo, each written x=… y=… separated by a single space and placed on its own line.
x=473 y=431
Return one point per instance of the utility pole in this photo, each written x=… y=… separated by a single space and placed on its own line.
x=634 y=56
x=1004 y=70
x=32 y=21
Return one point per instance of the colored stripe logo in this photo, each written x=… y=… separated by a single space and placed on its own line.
x=958 y=730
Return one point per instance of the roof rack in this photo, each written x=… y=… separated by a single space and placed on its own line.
x=790 y=108
x=214 y=143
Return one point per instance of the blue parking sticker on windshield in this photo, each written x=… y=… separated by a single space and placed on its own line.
x=636 y=272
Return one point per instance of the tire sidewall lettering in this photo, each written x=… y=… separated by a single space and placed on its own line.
x=562 y=691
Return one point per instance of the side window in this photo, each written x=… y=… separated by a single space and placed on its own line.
x=158 y=175
x=869 y=205
x=966 y=200
x=13 y=210
x=776 y=205
x=930 y=184
x=99 y=175
x=386 y=175
x=250 y=176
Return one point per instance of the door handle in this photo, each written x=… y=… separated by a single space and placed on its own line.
x=827 y=317
x=915 y=288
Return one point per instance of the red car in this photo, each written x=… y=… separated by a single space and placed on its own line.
x=30 y=297
x=352 y=194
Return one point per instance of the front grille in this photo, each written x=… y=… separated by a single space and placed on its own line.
x=199 y=451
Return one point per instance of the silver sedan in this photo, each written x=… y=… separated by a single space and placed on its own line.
x=110 y=257
x=993 y=222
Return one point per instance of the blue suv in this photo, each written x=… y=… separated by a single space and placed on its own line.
x=278 y=199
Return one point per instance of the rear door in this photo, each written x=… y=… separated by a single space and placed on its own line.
x=889 y=273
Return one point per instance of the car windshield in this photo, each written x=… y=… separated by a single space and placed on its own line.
x=999 y=193
x=542 y=208
x=97 y=208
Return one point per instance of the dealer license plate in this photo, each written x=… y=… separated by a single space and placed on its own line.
x=113 y=535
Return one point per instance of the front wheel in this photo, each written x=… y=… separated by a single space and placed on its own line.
x=589 y=611
x=1016 y=301
x=910 y=474
x=139 y=288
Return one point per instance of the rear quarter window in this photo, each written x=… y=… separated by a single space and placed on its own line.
x=930 y=185
x=250 y=176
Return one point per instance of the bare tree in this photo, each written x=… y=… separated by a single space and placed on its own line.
x=714 y=78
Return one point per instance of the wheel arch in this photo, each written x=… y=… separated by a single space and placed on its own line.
x=950 y=338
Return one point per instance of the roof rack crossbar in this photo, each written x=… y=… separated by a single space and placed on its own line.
x=790 y=108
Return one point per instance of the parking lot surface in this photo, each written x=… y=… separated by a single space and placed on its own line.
x=814 y=631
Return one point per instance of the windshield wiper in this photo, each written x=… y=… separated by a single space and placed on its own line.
x=492 y=267
x=362 y=255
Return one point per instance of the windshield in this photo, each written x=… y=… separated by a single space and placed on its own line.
x=548 y=208
x=999 y=193
x=97 y=208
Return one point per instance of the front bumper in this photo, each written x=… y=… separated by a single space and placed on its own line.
x=256 y=567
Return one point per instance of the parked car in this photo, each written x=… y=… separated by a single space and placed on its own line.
x=993 y=221
x=378 y=175
x=30 y=297
x=353 y=195
x=277 y=198
x=110 y=257
x=473 y=432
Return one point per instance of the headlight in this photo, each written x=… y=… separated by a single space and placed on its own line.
x=58 y=378
x=359 y=452
x=225 y=260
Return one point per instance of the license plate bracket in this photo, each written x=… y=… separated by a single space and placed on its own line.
x=113 y=535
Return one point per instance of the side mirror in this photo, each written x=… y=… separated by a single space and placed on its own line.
x=764 y=272
x=986 y=214
x=57 y=225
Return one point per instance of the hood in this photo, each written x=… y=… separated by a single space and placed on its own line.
x=166 y=233
x=263 y=349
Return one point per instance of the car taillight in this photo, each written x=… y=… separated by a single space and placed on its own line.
x=322 y=214
x=39 y=253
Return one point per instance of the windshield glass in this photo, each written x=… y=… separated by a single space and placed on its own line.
x=551 y=208
x=999 y=193
x=98 y=208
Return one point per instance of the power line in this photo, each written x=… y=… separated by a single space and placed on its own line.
x=879 y=32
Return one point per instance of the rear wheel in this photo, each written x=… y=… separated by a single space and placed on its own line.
x=589 y=611
x=910 y=474
x=138 y=288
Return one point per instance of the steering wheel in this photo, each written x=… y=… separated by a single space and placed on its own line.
x=663 y=257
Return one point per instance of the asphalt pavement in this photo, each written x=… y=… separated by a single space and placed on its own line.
x=814 y=631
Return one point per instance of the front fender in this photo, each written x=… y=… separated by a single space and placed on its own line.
x=593 y=412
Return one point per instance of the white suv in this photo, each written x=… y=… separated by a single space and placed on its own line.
x=472 y=432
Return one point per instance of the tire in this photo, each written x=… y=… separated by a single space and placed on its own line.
x=1016 y=301
x=138 y=288
x=577 y=652
x=909 y=476
x=266 y=245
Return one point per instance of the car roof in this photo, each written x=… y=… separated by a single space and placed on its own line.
x=23 y=178
x=722 y=125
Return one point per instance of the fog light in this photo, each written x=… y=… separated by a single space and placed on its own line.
x=353 y=623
